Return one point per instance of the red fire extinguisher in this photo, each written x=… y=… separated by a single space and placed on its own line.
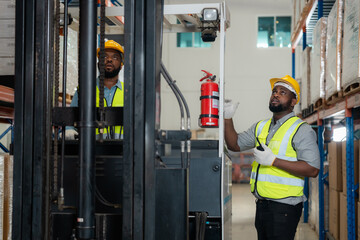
x=209 y=117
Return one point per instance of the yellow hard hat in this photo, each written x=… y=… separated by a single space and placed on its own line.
x=111 y=44
x=290 y=81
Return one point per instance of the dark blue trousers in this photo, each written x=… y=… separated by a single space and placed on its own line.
x=276 y=221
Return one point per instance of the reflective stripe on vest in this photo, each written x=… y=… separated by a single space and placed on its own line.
x=118 y=101
x=272 y=182
x=260 y=127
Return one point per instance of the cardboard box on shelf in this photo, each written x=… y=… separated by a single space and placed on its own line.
x=6 y=185
x=7 y=47
x=343 y=217
x=356 y=164
x=193 y=134
x=7 y=65
x=7 y=28
x=7 y=9
x=335 y=165
x=198 y=133
x=334 y=213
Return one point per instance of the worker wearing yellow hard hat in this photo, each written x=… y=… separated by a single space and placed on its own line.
x=289 y=83
x=113 y=88
x=285 y=152
x=111 y=44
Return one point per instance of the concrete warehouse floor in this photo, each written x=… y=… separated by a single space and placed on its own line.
x=243 y=219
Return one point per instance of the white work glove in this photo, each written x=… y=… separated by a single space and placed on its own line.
x=265 y=157
x=229 y=108
x=70 y=134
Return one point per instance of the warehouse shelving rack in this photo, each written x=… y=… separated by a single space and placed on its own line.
x=338 y=111
x=7 y=39
x=6 y=106
x=314 y=10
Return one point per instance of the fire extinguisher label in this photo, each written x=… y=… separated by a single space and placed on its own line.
x=215 y=103
x=215 y=93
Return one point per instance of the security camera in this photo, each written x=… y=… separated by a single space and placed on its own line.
x=210 y=22
x=208 y=35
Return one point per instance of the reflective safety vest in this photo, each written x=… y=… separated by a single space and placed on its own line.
x=271 y=182
x=112 y=132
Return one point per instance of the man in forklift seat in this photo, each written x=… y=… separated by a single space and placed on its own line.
x=113 y=89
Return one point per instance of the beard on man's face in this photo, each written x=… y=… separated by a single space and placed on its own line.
x=113 y=73
x=276 y=109
x=281 y=107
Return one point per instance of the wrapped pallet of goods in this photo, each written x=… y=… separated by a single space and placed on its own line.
x=294 y=13
x=297 y=107
x=297 y=10
x=305 y=79
x=334 y=53
x=351 y=57
x=303 y=4
x=298 y=72
x=317 y=59
x=72 y=62
x=6 y=196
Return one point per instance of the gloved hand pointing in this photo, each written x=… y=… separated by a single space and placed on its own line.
x=265 y=157
x=229 y=108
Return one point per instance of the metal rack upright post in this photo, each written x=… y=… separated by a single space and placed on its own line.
x=346 y=105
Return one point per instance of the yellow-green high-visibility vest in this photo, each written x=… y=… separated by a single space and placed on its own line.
x=118 y=101
x=271 y=182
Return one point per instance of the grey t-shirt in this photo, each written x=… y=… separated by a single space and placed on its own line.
x=304 y=143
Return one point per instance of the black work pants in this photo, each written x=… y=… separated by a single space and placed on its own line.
x=276 y=221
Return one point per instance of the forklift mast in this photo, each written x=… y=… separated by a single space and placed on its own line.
x=132 y=188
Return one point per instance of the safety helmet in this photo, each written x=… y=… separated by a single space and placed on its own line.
x=290 y=81
x=111 y=44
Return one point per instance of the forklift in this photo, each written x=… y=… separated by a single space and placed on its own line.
x=153 y=184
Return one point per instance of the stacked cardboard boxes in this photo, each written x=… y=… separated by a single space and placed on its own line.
x=7 y=37
x=6 y=186
x=313 y=201
x=335 y=186
x=343 y=231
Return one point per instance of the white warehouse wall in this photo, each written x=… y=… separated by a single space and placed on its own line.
x=247 y=68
